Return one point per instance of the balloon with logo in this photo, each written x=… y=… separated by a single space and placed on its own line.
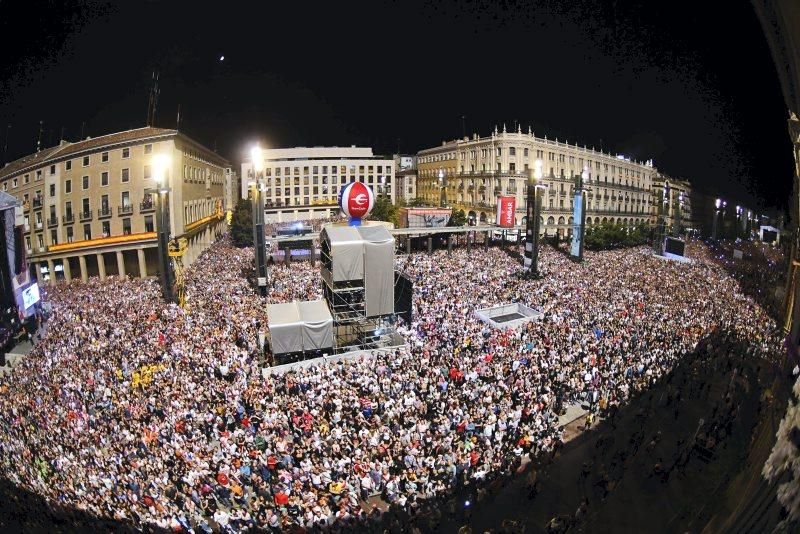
x=356 y=201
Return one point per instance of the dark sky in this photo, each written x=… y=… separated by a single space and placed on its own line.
x=692 y=87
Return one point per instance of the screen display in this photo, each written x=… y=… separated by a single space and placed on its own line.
x=674 y=246
x=30 y=296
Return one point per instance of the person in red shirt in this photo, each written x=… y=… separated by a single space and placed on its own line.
x=281 y=499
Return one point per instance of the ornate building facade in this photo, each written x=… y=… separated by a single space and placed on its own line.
x=89 y=206
x=470 y=173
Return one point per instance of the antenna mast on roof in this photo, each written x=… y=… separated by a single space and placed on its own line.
x=178 y=121
x=152 y=102
x=39 y=140
x=83 y=126
x=61 y=137
x=5 y=145
x=463 y=126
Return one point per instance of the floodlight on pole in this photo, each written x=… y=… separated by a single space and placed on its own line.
x=258 y=159
x=259 y=245
x=442 y=189
x=160 y=165
x=533 y=214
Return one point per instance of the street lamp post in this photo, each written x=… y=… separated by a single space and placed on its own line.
x=442 y=189
x=534 y=211
x=161 y=164
x=262 y=274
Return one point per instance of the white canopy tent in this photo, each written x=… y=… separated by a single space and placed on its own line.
x=300 y=326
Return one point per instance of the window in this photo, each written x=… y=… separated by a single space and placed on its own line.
x=525 y=152
x=106 y=228
x=104 y=178
x=148 y=171
x=14 y=182
x=126 y=226
x=148 y=149
x=86 y=207
x=126 y=175
x=126 y=198
x=28 y=242
x=54 y=237
x=148 y=223
x=104 y=157
x=52 y=190
x=68 y=186
x=87 y=232
x=85 y=161
x=126 y=153
x=70 y=235
x=85 y=182
x=26 y=179
x=68 y=165
x=104 y=203
x=512 y=151
x=52 y=169
x=68 y=209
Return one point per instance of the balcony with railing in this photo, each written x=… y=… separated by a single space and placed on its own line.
x=85 y=216
x=147 y=206
x=104 y=213
x=37 y=203
x=69 y=218
x=52 y=221
x=125 y=209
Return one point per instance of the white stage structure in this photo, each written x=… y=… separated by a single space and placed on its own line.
x=300 y=330
x=508 y=316
x=358 y=283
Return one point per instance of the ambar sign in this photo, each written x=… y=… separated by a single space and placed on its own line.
x=506 y=208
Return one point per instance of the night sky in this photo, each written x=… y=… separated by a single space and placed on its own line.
x=692 y=87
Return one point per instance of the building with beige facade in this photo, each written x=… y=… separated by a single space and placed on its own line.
x=89 y=206
x=304 y=183
x=475 y=171
x=405 y=172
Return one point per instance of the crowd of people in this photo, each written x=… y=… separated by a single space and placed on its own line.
x=155 y=415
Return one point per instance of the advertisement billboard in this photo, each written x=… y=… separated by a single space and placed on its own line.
x=424 y=217
x=506 y=208
x=30 y=295
x=576 y=251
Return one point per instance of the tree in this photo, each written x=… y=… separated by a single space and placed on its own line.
x=416 y=203
x=242 y=224
x=611 y=236
x=457 y=218
x=384 y=210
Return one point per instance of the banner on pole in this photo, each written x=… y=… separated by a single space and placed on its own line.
x=506 y=208
x=576 y=250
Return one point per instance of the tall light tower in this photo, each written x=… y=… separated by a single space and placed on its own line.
x=161 y=165
x=534 y=213
x=258 y=221
x=442 y=189
x=676 y=228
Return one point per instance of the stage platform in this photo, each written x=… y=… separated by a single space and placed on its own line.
x=16 y=355
x=508 y=316
x=390 y=342
x=674 y=257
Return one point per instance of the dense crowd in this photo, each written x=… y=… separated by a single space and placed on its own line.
x=156 y=415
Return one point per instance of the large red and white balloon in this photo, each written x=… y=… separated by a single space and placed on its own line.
x=356 y=200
